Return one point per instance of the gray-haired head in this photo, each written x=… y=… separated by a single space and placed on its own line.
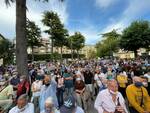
x=49 y=100
x=23 y=96
x=23 y=77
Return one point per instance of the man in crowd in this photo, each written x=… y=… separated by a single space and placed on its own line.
x=110 y=100
x=15 y=80
x=22 y=105
x=139 y=100
x=122 y=81
x=147 y=75
x=68 y=82
x=23 y=87
x=70 y=106
x=100 y=79
x=49 y=106
x=89 y=80
x=48 y=90
x=6 y=95
x=36 y=88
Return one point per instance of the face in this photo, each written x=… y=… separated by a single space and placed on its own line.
x=48 y=105
x=145 y=82
x=113 y=86
x=21 y=79
x=21 y=103
x=14 y=76
x=78 y=81
x=47 y=80
x=97 y=71
x=137 y=80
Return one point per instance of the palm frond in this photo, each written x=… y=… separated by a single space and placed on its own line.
x=7 y=2
x=1 y=36
x=49 y=0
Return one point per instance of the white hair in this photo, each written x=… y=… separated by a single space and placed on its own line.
x=49 y=100
x=136 y=78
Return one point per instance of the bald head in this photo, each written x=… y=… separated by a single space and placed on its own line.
x=47 y=79
x=136 y=79
x=22 y=101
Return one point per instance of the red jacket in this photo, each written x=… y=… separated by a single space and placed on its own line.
x=23 y=87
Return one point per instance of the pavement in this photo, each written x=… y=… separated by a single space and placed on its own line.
x=91 y=108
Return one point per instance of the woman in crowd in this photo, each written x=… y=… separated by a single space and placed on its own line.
x=81 y=94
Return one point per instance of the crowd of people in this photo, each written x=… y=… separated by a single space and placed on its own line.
x=111 y=86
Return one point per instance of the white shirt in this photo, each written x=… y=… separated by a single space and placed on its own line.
x=60 y=82
x=55 y=111
x=29 y=108
x=79 y=110
x=99 y=78
x=104 y=102
x=37 y=85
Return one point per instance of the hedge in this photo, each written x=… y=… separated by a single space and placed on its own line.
x=55 y=56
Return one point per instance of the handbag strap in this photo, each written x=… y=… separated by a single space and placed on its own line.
x=142 y=100
x=100 y=80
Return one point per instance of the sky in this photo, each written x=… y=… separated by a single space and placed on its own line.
x=90 y=17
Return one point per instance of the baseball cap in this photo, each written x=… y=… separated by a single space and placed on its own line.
x=69 y=105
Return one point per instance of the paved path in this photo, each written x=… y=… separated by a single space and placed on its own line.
x=91 y=108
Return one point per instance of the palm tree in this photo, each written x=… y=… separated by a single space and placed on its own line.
x=33 y=34
x=21 y=41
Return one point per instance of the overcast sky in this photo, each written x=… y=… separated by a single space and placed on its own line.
x=90 y=17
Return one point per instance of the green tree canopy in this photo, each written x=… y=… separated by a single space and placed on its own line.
x=6 y=50
x=77 y=41
x=136 y=36
x=109 y=44
x=56 y=29
x=33 y=34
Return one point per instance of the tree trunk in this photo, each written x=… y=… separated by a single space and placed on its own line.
x=61 y=52
x=71 y=49
x=135 y=53
x=78 y=55
x=72 y=54
x=21 y=41
x=32 y=54
x=52 y=44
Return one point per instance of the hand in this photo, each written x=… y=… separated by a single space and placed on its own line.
x=120 y=109
x=146 y=112
x=105 y=111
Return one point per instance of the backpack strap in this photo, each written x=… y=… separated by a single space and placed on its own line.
x=3 y=88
